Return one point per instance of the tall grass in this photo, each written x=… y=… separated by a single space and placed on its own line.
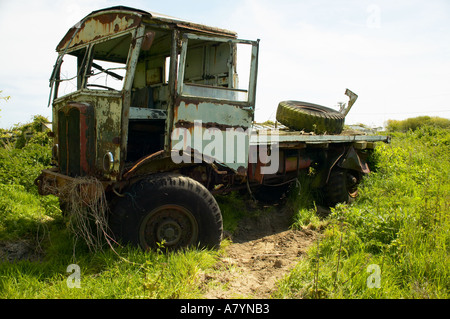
x=34 y=225
x=400 y=223
x=108 y=275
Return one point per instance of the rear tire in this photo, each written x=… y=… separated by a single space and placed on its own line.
x=310 y=117
x=342 y=186
x=172 y=210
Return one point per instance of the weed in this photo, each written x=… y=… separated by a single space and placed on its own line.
x=400 y=223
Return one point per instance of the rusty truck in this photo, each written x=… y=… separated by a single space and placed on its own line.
x=161 y=111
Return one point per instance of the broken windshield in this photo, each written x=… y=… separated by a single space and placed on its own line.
x=106 y=75
x=68 y=73
x=100 y=66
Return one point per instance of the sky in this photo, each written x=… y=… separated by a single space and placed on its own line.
x=394 y=54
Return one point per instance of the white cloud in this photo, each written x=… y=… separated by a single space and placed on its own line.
x=312 y=52
x=30 y=31
x=309 y=50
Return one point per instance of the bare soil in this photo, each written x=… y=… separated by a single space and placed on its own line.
x=263 y=251
x=13 y=251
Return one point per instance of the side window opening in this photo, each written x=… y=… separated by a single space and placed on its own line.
x=218 y=70
x=70 y=76
x=149 y=97
x=150 y=91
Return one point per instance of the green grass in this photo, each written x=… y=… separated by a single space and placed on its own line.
x=35 y=223
x=127 y=273
x=400 y=223
x=124 y=272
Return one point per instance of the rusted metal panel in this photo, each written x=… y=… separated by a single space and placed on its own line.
x=354 y=161
x=293 y=136
x=214 y=129
x=141 y=113
x=111 y=21
x=221 y=114
x=211 y=116
x=106 y=108
x=99 y=26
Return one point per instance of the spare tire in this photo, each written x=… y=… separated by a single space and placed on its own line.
x=310 y=117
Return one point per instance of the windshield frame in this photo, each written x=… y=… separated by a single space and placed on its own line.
x=82 y=70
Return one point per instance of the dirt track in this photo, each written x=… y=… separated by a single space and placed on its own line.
x=263 y=250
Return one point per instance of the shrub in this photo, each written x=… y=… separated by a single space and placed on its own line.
x=417 y=122
x=400 y=223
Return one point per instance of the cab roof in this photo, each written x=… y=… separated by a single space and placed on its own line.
x=109 y=21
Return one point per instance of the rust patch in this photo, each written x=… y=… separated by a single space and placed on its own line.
x=96 y=27
x=139 y=163
x=190 y=125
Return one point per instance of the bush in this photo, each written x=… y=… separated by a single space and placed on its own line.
x=21 y=208
x=417 y=122
x=22 y=166
x=400 y=223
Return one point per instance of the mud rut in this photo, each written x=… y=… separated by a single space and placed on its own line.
x=262 y=252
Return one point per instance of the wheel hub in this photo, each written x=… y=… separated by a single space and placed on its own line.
x=172 y=225
x=169 y=232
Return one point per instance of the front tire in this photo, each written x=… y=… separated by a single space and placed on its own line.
x=172 y=211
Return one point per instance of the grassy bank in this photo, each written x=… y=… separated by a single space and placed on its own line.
x=393 y=242
x=395 y=236
x=36 y=246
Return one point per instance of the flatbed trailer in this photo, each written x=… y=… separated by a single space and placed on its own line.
x=339 y=161
x=287 y=136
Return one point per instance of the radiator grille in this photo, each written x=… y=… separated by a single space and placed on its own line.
x=76 y=140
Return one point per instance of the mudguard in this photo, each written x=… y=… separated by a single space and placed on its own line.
x=354 y=161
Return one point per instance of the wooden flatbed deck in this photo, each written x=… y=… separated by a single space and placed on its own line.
x=272 y=133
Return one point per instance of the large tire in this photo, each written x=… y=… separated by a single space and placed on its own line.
x=342 y=186
x=310 y=117
x=171 y=209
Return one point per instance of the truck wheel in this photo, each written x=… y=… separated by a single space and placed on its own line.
x=342 y=186
x=310 y=117
x=172 y=210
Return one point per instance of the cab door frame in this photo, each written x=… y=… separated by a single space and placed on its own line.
x=225 y=109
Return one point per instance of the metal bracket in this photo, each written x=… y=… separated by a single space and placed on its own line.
x=352 y=96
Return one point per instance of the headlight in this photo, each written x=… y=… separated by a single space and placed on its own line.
x=108 y=162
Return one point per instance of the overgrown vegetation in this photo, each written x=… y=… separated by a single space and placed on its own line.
x=36 y=246
x=396 y=236
x=400 y=224
x=417 y=122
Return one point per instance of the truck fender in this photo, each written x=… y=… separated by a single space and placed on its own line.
x=349 y=159
x=162 y=162
x=352 y=160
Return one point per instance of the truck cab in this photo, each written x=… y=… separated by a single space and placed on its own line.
x=159 y=112
x=125 y=79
